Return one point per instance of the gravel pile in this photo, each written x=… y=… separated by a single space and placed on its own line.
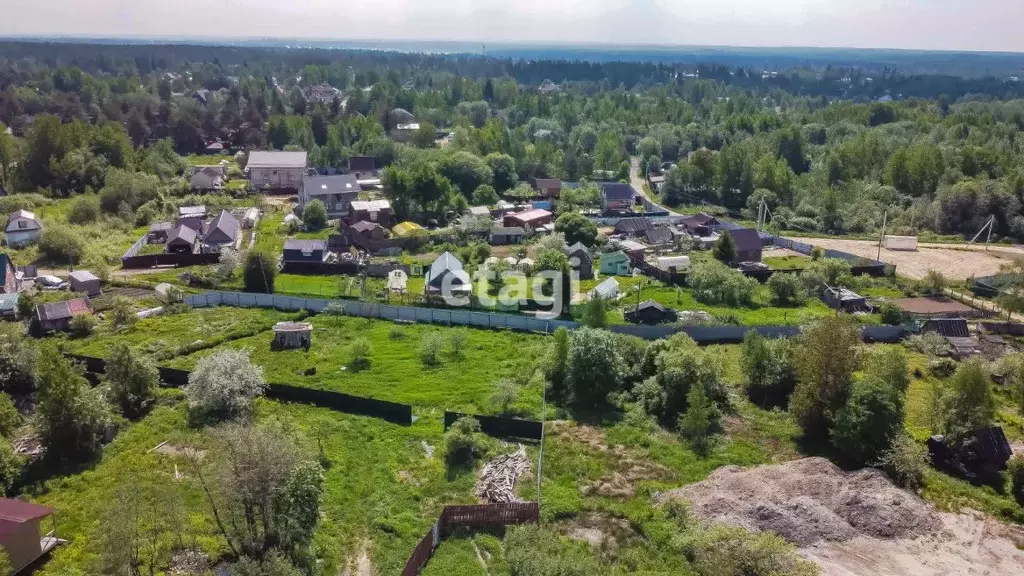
x=807 y=501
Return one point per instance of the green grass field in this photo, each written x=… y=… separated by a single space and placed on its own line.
x=791 y=262
x=397 y=374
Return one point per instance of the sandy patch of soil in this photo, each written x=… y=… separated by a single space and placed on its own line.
x=855 y=523
x=956 y=262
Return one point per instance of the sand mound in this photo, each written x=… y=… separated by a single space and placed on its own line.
x=809 y=500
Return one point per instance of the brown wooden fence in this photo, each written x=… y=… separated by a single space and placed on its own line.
x=472 y=516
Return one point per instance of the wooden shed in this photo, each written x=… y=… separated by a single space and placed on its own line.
x=85 y=281
x=21 y=532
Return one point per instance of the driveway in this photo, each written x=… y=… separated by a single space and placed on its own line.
x=637 y=180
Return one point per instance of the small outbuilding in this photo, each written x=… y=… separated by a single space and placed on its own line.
x=158 y=232
x=168 y=293
x=845 y=300
x=908 y=243
x=296 y=250
x=21 y=532
x=9 y=306
x=581 y=260
x=608 y=289
x=182 y=239
x=22 y=228
x=291 y=335
x=507 y=235
x=250 y=217
x=370 y=230
x=398 y=280
x=650 y=312
x=673 y=264
x=58 y=315
x=85 y=281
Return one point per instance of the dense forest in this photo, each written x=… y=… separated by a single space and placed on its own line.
x=830 y=150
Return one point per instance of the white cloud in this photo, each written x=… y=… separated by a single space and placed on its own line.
x=929 y=24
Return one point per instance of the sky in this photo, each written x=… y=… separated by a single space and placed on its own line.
x=991 y=25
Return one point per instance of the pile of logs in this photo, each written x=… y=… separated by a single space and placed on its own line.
x=497 y=481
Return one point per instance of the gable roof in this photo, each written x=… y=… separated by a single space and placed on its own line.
x=508 y=231
x=633 y=225
x=606 y=288
x=370 y=205
x=530 y=215
x=547 y=183
x=160 y=227
x=948 y=327
x=578 y=248
x=617 y=191
x=478 y=211
x=65 y=309
x=9 y=302
x=446 y=262
x=326 y=185
x=18 y=511
x=658 y=235
x=192 y=211
x=364 y=226
x=182 y=233
x=82 y=276
x=746 y=239
x=223 y=228
x=276 y=159
x=617 y=255
x=650 y=305
x=304 y=245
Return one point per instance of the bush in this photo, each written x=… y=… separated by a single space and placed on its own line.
x=506 y=394
x=679 y=368
x=536 y=551
x=716 y=283
x=1016 y=470
x=829 y=355
x=931 y=344
x=17 y=359
x=223 y=385
x=396 y=332
x=359 y=355
x=82 y=325
x=891 y=314
x=700 y=421
x=593 y=366
x=905 y=462
x=725 y=249
x=314 y=215
x=10 y=419
x=71 y=416
x=84 y=210
x=228 y=263
x=260 y=272
x=457 y=344
x=133 y=380
x=866 y=426
x=595 y=312
x=62 y=245
x=463 y=442
x=769 y=369
x=970 y=403
x=122 y=314
x=431 y=346
x=785 y=289
x=722 y=550
x=10 y=470
x=942 y=367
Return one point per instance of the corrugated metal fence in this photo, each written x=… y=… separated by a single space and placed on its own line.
x=478 y=516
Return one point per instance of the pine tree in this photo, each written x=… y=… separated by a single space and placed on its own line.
x=725 y=249
x=698 y=423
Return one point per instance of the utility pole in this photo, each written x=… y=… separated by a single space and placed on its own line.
x=885 y=222
x=989 y=224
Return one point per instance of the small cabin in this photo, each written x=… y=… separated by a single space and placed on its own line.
x=291 y=335
x=85 y=281
x=21 y=532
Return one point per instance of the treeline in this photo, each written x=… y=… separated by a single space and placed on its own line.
x=941 y=165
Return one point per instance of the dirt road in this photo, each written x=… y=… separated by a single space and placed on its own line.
x=956 y=262
x=636 y=179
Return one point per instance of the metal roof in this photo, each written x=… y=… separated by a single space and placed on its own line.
x=327 y=185
x=304 y=245
x=82 y=276
x=227 y=225
x=617 y=191
x=19 y=511
x=276 y=159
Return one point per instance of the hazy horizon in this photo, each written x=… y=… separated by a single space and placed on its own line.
x=933 y=25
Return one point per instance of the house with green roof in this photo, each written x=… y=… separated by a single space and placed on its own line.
x=615 y=264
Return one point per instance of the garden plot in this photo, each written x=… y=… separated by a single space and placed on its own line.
x=956 y=262
x=460 y=380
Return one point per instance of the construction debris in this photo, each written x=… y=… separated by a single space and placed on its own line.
x=498 y=478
